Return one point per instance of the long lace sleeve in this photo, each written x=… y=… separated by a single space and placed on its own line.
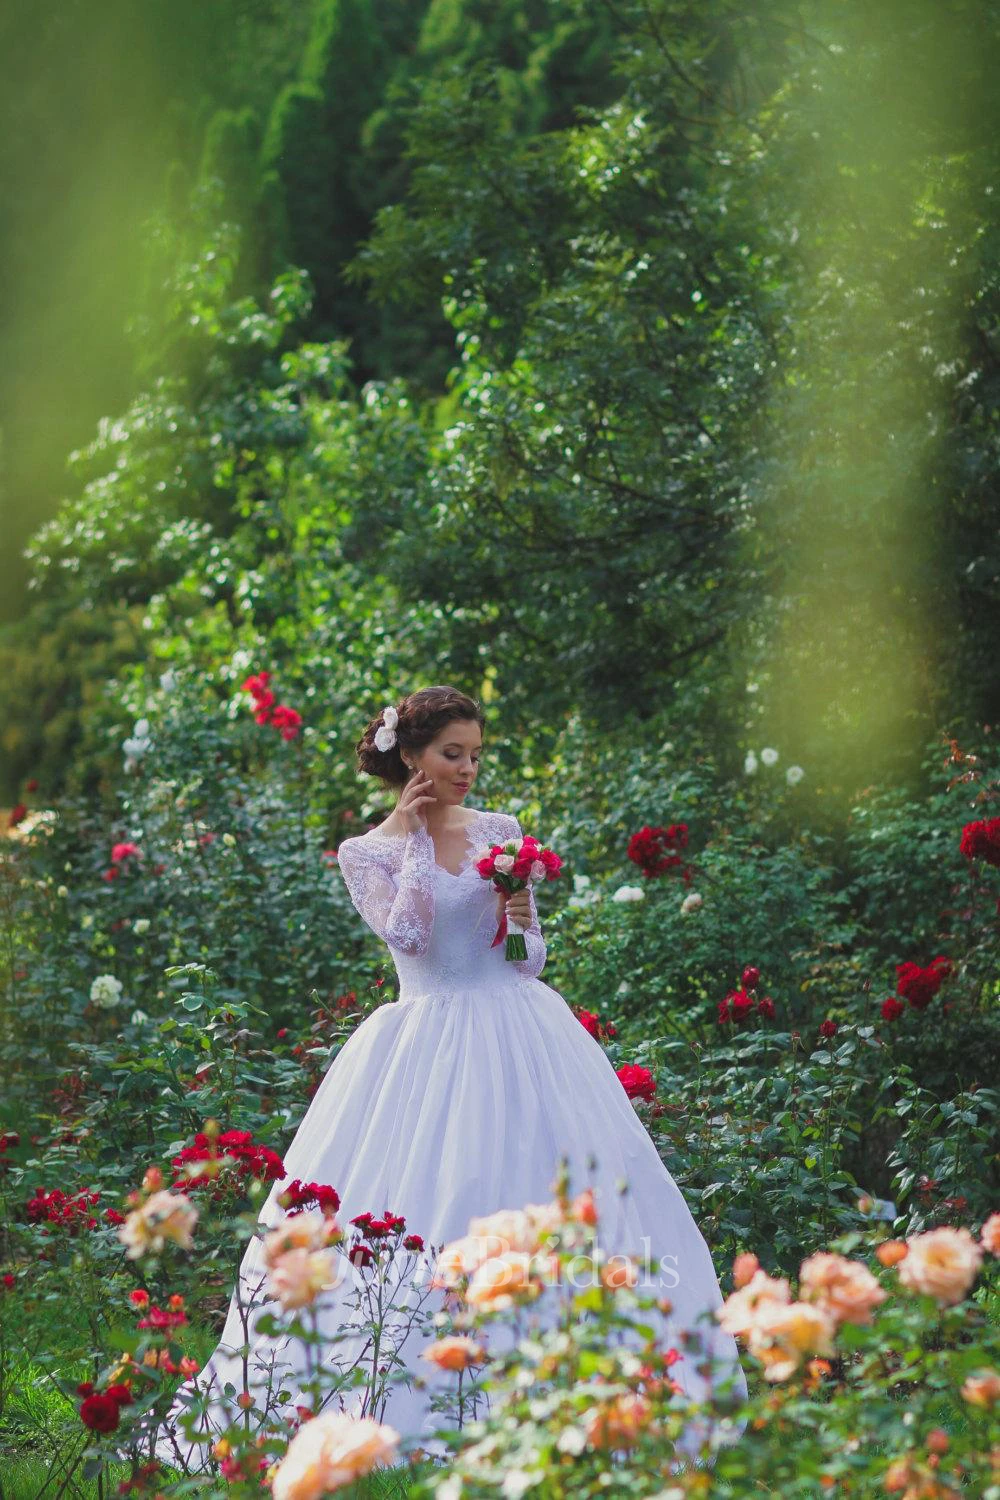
x=396 y=904
x=533 y=940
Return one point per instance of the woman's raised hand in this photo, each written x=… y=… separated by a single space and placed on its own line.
x=412 y=799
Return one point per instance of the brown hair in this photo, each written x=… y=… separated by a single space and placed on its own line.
x=422 y=716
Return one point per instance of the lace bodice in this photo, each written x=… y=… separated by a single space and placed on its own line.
x=438 y=925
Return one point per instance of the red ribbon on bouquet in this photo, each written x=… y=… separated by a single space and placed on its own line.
x=501 y=932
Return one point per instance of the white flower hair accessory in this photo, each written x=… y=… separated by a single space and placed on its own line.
x=385 y=734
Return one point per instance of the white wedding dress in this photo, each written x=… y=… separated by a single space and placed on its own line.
x=459 y=1099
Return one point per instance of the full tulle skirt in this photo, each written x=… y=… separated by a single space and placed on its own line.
x=442 y=1107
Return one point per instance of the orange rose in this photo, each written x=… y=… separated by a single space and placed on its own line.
x=990 y=1234
x=745 y=1266
x=844 y=1288
x=942 y=1262
x=982 y=1388
x=457 y=1352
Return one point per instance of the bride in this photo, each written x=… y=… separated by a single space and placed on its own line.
x=461 y=1097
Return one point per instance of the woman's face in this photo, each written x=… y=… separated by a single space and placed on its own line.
x=451 y=759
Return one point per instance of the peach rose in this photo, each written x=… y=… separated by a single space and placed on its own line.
x=844 y=1288
x=737 y=1313
x=620 y=1422
x=520 y=1228
x=298 y=1276
x=745 y=1266
x=781 y=1334
x=891 y=1252
x=456 y=1352
x=331 y=1451
x=982 y=1388
x=619 y=1272
x=989 y=1235
x=305 y=1231
x=584 y=1208
x=943 y=1262
x=500 y=1281
x=164 y=1216
x=464 y=1256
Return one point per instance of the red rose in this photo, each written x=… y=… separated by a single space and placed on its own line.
x=361 y=1255
x=100 y=1412
x=288 y=720
x=521 y=868
x=981 y=840
x=740 y=1004
x=120 y=852
x=17 y=814
x=413 y=1242
x=920 y=985
x=652 y=849
x=637 y=1082
x=892 y=1008
x=828 y=1029
x=751 y=977
x=590 y=1023
x=766 y=1007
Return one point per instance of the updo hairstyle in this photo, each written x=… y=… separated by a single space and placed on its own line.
x=422 y=716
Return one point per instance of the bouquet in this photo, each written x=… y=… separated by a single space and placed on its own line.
x=511 y=867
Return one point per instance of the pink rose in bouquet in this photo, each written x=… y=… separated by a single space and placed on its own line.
x=511 y=867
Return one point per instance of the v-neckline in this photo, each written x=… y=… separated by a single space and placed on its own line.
x=457 y=874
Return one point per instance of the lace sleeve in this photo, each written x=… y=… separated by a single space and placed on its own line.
x=533 y=940
x=398 y=905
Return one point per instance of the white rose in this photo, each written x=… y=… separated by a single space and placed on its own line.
x=769 y=757
x=62 y=890
x=750 y=764
x=137 y=1017
x=794 y=775
x=581 y=882
x=504 y=862
x=537 y=871
x=385 y=737
x=390 y=717
x=141 y=925
x=106 y=991
x=691 y=903
x=629 y=893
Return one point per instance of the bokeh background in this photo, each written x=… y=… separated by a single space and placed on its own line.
x=617 y=362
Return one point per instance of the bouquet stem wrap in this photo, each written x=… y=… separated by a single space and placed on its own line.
x=515 y=946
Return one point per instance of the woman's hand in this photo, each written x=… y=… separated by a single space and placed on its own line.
x=412 y=799
x=518 y=906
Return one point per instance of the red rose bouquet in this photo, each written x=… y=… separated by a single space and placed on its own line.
x=511 y=867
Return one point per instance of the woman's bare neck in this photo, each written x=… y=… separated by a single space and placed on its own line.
x=435 y=826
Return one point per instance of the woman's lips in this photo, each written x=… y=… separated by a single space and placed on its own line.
x=463 y=786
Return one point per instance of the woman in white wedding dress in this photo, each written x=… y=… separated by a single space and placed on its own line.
x=460 y=1097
